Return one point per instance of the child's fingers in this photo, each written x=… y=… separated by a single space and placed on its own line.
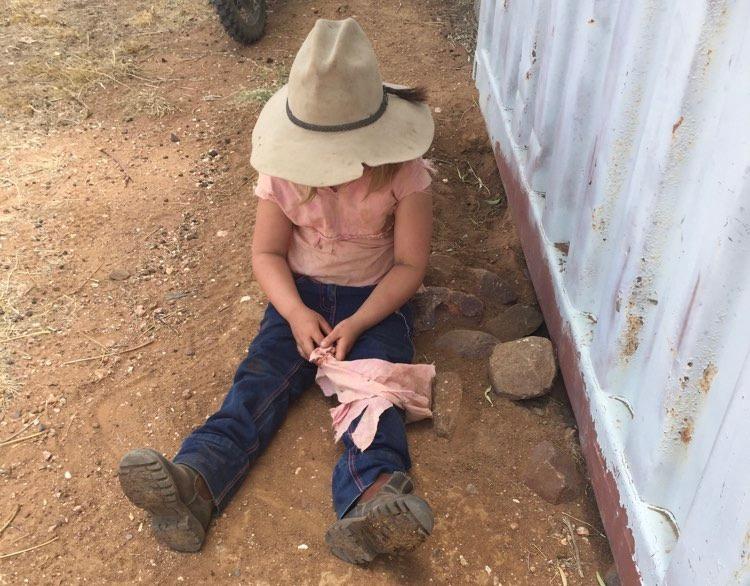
x=307 y=347
x=330 y=338
x=324 y=325
x=342 y=348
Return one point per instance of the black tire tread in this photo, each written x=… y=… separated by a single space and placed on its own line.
x=236 y=26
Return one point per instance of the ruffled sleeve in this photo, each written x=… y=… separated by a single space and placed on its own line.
x=413 y=177
x=264 y=187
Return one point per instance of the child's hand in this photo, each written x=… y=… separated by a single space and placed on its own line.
x=343 y=336
x=309 y=328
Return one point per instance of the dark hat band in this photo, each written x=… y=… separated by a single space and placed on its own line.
x=341 y=127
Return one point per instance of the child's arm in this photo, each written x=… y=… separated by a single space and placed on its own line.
x=412 y=234
x=270 y=244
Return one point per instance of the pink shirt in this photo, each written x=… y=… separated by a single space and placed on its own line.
x=344 y=235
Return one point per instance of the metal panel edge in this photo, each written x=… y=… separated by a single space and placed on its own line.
x=609 y=478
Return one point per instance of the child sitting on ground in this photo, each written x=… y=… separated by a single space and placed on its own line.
x=341 y=244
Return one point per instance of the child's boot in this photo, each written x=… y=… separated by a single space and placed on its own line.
x=170 y=492
x=393 y=521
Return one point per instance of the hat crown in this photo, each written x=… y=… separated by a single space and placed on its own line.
x=335 y=77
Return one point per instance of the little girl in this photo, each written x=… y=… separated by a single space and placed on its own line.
x=341 y=244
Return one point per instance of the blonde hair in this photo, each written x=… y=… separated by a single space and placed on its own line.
x=380 y=176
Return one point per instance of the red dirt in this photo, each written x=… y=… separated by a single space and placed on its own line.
x=181 y=226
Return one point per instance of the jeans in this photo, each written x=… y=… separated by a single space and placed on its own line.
x=273 y=375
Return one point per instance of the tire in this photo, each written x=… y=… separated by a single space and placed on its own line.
x=244 y=20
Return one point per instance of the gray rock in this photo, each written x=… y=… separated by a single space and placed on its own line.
x=446 y=403
x=552 y=474
x=471 y=344
x=612 y=578
x=119 y=275
x=428 y=303
x=442 y=269
x=523 y=369
x=514 y=322
x=488 y=286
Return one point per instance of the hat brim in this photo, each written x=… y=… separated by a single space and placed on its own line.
x=318 y=159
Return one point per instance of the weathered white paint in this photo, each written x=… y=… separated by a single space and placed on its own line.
x=628 y=123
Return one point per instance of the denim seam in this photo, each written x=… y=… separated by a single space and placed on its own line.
x=231 y=483
x=255 y=417
x=278 y=390
x=353 y=472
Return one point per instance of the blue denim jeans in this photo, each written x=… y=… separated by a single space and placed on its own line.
x=273 y=375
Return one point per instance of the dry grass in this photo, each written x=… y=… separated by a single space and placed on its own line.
x=58 y=52
x=8 y=386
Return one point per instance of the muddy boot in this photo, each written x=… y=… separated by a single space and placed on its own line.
x=393 y=521
x=180 y=515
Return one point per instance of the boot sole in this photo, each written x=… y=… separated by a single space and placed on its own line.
x=147 y=483
x=391 y=527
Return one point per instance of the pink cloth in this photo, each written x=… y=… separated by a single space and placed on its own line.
x=344 y=235
x=371 y=386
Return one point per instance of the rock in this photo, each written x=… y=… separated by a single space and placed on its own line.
x=67 y=475
x=552 y=474
x=442 y=269
x=47 y=455
x=173 y=137
x=213 y=153
x=446 y=403
x=467 y=343
x=428 y=302
x=189 y=351
x=119 y=275
x=517 y=321
x=523 y=369
x=187 y=394
x=488 y=286
x=462 y=560
x=612 y=578
x=582 y=531
x=472 y=489
x=513 y=526
x=139 y=310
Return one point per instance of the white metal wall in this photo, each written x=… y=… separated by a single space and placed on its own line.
x=628 y=122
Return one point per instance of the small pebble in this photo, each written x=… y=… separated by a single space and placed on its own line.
x=187 y=393
x=47 y=455
x=582 y=531
x=463 y=561
x=513 y=526
x=67 y=475
x=302 y=546
x=471 y=489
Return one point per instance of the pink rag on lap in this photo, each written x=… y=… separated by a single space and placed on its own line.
x=371 y=385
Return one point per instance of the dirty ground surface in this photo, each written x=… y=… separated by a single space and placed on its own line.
x=127 y=300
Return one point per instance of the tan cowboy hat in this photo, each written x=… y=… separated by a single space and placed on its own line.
x=335 y=114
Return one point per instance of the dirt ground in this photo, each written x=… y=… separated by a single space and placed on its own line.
x=127 y=299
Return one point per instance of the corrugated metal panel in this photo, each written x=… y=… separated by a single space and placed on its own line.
x=626 y=127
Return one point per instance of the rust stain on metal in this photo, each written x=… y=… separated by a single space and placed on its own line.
x=630 y=341
x=677 y=124
x=614 y=516
x=707 y=378
x=686 y=433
